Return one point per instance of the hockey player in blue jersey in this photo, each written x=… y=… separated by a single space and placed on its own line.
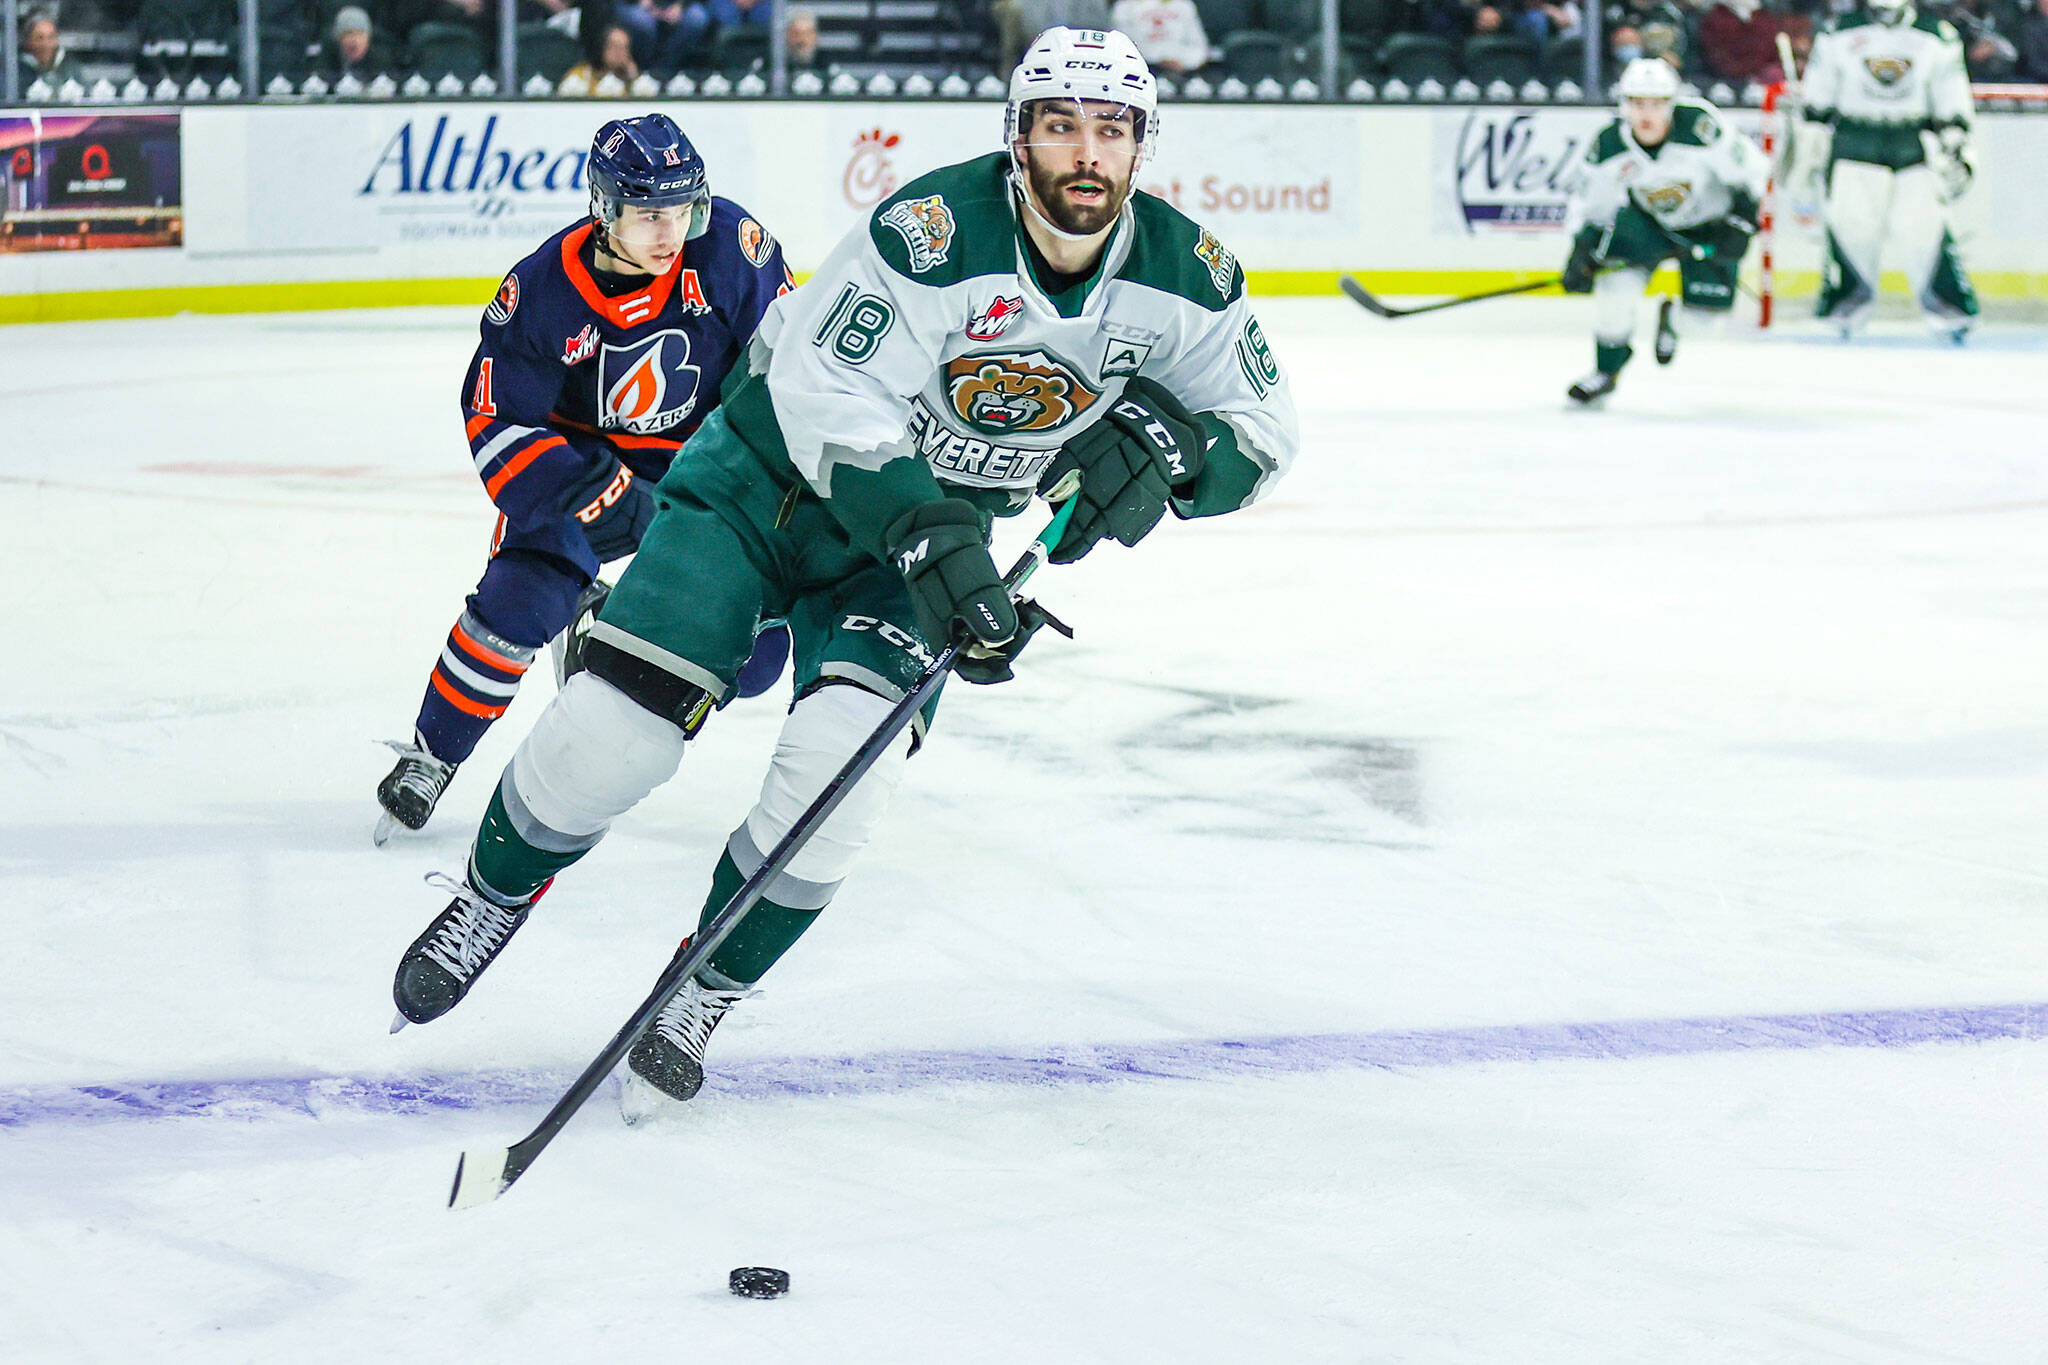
x=600 y=355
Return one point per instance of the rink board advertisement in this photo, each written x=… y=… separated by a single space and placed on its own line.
x=337 y=205
x=90 y=181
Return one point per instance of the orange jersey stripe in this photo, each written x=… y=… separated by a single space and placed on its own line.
x=519 y=462
x=643 y=442
x=477 y=424
x=483 y=653
x=462 y=703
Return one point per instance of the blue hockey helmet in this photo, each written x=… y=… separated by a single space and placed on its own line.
x=646 y=162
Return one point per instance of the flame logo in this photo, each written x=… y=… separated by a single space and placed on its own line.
x=640 y=392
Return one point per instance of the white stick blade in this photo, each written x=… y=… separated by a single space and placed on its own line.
x=479 y=1178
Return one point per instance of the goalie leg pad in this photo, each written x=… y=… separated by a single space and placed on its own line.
x=823 y=730
x=1858 y=214
x=591 y=757
x=1926 y=249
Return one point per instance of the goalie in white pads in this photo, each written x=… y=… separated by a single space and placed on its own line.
x=1665 y=181
x=1887 y=140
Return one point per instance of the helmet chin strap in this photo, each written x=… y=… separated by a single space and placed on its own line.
x=1022 y=181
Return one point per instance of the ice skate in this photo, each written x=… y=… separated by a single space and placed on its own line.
x=669 y=1058
x=445 y=961
x=1595 y=387
x=1667 y=335
x=411 y=790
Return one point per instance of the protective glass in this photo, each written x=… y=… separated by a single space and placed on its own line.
x=639 y=226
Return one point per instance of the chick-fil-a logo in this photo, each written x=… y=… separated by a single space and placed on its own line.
x=870 y=175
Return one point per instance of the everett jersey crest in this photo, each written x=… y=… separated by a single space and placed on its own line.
x=926 y=227
x=1009 y=394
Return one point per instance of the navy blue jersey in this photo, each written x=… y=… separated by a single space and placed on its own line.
x=568 y=384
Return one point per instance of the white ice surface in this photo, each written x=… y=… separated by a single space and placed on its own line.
x=1731 y=700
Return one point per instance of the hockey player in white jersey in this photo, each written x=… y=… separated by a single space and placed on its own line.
x=1886 y=139
x=996 y=328
x=1665 y=181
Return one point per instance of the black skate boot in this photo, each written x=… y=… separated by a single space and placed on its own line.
x=411 y=790
x=445 y=961
x=1667 y=335
x=567 y=648
x=1592 y=388
x=668 y=1060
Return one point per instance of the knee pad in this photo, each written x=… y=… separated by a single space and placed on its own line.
x=591 y=757
x=823 y=730
x=668 y=695
x=527 y=597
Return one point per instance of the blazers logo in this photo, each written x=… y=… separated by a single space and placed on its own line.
x=926 y=226
x=1222 y=265
x=1667 y=198
x=648 y=385
x=501 y=308
x=1003 y=395
x=1888 y=70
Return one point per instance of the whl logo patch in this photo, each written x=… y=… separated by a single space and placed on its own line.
x=648 y=386
x=1002 y=395
x=996 y=320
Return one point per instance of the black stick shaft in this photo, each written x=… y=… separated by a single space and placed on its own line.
x=703 y=944
x=1361 y=295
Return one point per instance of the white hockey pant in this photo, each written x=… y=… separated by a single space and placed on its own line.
x=1616 y=297
x=594 y=754
x=1866 y=205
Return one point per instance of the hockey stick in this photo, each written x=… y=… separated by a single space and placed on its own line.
x=484 y=1174
x=1364 y=298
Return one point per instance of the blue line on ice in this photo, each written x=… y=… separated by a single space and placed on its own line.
x=1199 y=1059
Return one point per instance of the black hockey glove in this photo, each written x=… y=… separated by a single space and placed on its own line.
x=1129 y=462
x=1585 y=259
x=985 y=664
x=939 y=550
x=614 y=520
x=1741 y=216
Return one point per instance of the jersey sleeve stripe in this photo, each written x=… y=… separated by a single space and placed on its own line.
x=477 y=423
x=506 y=436
x=519 y=462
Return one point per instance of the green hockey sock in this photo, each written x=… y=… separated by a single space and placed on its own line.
x=1611 y=358
x=764 y=935
x=508 y=867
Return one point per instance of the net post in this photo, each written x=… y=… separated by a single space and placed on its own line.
x=1767 y=211
x=10 y=79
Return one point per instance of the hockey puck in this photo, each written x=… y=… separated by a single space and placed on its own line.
x=758 y=1282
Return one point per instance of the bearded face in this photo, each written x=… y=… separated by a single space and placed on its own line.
x=1079 y=158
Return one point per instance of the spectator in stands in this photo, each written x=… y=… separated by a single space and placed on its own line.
x=1988 y=53
x=353 y=49
x=742 y=13
x=1555 y=19
x=666 y=37
x=1168 y=33
x=1019 y=21
x=2033 y=44
x=43 y=57
x=611 y=55
x=1624 y=45
x=800 y=40
x=1739 y=40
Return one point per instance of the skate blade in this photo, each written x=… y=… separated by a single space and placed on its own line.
x=387 y=825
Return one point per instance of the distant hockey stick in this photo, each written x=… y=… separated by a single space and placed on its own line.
x=484 y=1174
x=1364 y=298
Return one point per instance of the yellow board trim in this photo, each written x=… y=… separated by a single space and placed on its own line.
x=314 y=295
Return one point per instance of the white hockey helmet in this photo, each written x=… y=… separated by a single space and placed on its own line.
x=1891 y=12
x=1648 y=78
x=1083 y=64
